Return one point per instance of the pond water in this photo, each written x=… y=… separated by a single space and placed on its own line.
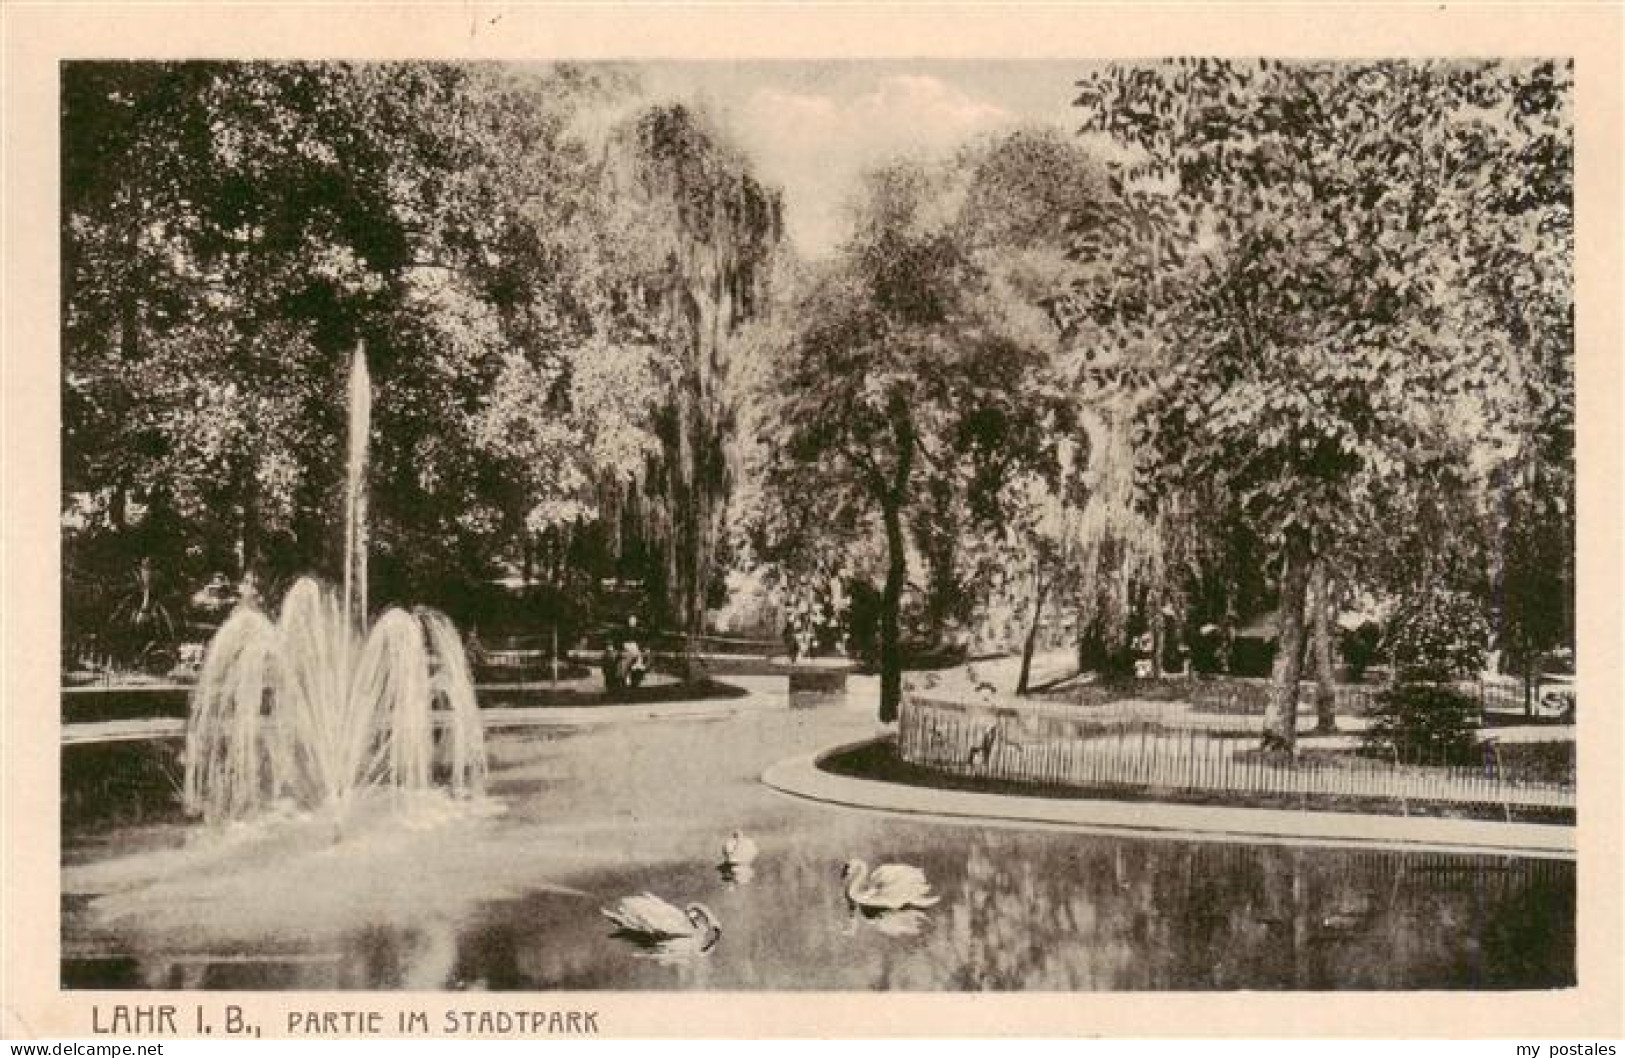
x=511 y=900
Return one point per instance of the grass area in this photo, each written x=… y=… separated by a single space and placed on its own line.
x=80 y=706
x=879 y=760
x=90 y=705
x=1537 y=761
x=530 y=672
x=116 y=784
x=1105 y=692
x=542 y=695
x=1520 y=762
x=1217 y=695
x=1497 y=719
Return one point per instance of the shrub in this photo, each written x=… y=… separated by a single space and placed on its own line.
x=1424 y=723
x=1359 y=648
x=1437 y=635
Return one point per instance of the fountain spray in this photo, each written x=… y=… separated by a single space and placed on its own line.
x=355 y=490
x=315 y=707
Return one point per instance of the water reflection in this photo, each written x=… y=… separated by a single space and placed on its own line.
x=512 y=901
x=1048 y=912
x=906 y=923
x=669 y=950
x=1019 y=911
x=734 y=876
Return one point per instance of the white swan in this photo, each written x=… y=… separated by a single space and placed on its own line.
x=650 y=918
x=738 y=851
x=891 y=887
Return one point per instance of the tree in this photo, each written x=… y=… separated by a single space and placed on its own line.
x=1435 y=637
x=1288 y=281
x=694 y=239
x=173 y=312
x=1322 y=605
x=1041 y=515
x=231 y=230
x=899 y=375
x=1520 y=219
x=1015 y=187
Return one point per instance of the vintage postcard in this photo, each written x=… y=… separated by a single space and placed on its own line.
x=545 y=522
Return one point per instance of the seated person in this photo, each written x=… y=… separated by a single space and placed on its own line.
x=609 y=662
x=634 y=663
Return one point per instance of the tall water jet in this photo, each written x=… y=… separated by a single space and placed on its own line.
x=314 y=708
x=355 y=489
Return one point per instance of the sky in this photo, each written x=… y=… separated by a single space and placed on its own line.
x=812 y=128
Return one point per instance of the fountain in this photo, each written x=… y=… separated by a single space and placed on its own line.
x=315 y=708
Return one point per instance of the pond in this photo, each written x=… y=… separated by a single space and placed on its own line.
x=511 y=900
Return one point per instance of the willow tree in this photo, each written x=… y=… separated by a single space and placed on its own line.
x=694 y=237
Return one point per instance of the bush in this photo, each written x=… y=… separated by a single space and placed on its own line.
x=1359 y=648
x=1437 y=635
x=1424 y=723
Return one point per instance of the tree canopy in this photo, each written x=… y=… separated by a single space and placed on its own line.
x=1265 y=335
x=526 y=294
x=1305 y=280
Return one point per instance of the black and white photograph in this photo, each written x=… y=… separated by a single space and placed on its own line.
x=940 y=525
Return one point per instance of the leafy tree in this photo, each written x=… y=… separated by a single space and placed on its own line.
x=1436 y=636
x=1016 y=184
x=1041 y=512
x=1289 y=287
x=172 y=177
x=231 y=230
x=1520 y=220
x=228 y=235
x=899 y=375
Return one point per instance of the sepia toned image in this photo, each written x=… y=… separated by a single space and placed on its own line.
x=477 y=476
x=1093 y=525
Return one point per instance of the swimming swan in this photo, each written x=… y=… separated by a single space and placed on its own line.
x=648 y=917
x=891 y=887
x=738 y=851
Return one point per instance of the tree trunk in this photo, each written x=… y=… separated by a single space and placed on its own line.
x=1039 y=590
x=118 y=507
x=1528 y=679
x=1320 y=616
x=891 y=605
x=1281 y=717
x=1157 y=643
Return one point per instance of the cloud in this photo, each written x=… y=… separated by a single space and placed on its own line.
x=816 y=145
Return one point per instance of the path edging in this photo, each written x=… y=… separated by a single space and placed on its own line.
x=802 y=777
x=494 y=719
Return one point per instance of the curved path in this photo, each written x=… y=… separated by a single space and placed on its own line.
x=801 y=777
x=494 y=719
